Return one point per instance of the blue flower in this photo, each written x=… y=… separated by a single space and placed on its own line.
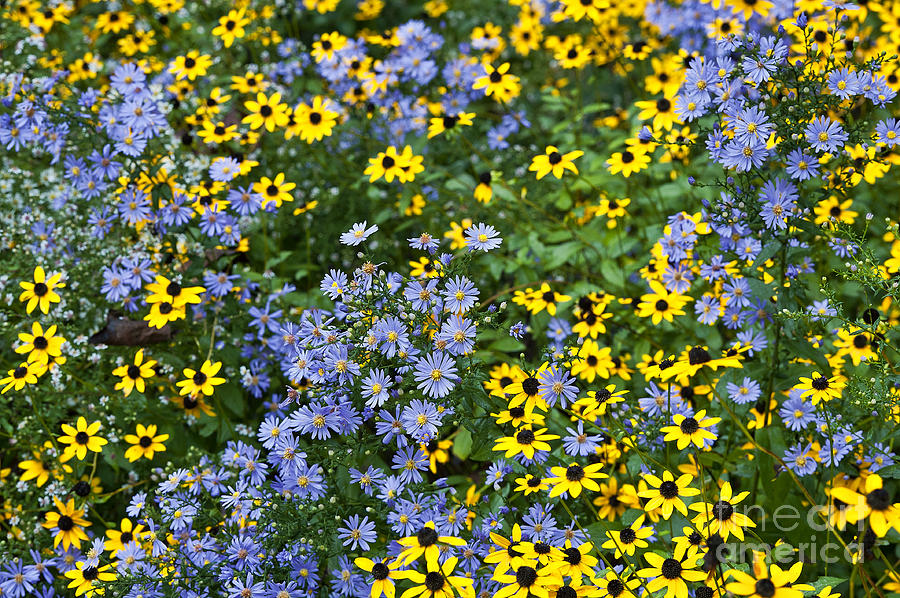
x=825 y=135
x=434 y=374
x=357 y=533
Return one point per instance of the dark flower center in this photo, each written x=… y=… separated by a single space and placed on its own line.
x=265 y=111
x=878 y=500
x=496 y=77
x=134 y=372
x=668 y=489
x=723 y=510
x=689 y=425
x=573 y=556
x=627 y=535
x=315 y=118
x=434 y=581
x=574 y=473
x=126 y=537
x=190 y=63
x=90 y=573
x=662 y=305
x=173 y=289
x=765 y=588
x=704 y=592
x=554 y=158
x=627 y=157
x=860 y=341
x=566 y=592
x=698 y=355
x=65 y=523
x=387 y=162
x=671 y=569
x=534 y=482
x=40 y=289
x=820 y=383
x=145 y=441
x=380 y=571
x=615 y=587
x=485 y=178
x=82 y=488
x=526 y=576
x=40 y=343
x=190 y=402
x=525 y=437
x=530 y=386
x=82 y=438
x=199 y=378
x=426 y=537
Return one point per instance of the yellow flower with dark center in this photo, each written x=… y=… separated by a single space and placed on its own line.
x=721 y=517
x=527 y=581
x=574 y=478
x=41 y=293
x=552 y=161
x=613 y=586
x=162 y=290
x=530 y=484
x=507 y=553
x=628 y=162
x=821 y=388
x=438 y=581
x=859 y=345
x=81 y=439
x=202 y=381
x=249 y=83
x=437 y=451
x=425 y=542
x=68 y=523
x=499 y=83
x=577 y=561
x=873 y=501
x=763 y=583
x=439 y=124
x=36 y=469
x=132 y=376
x=383 y=575
x=325 y=47
x=217 y=132
x=316 y=121
x=231 y=27
x=275 y=190
x=592 y=361
x=660 y=304
x=114 y=21
x=191 y=66
x=390 y=164
x=625 y=541
x=266 y=111
x=17 y=378
x=610 y=504
x=83 y=579
x=671 y=573
x=834 y=210
x=691 y=430
x=526 y=392
x=666 y=493
x=483 y=190
x=41 y=345
x=162 y=313
x=145 y=442
x=542 y=299
x=502 y=376
x=525 y=441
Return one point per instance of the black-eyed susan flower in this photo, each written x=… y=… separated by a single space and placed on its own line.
x=529 y=484
x=41 y=345
x=162 y=313
x=771 y=582
x=626 y=540
x=498 y=83
x=612 y=585
x=483 y=190
x=325 y=47
x=133 y=375
x=821 y=388
x=36 y=469
x=672 y=573
x=577 y=561
x=83 y=577
x=425 y=542
x=163 y=290
x=18 y=377
x=873 y=501
x=118 y=539
x=383 y=573
x=438 y=581
x=592 y=361
x=691 y=429
x=627 y=162
x=144 y=443
x=202 y=381
x=552 y=161
x=574 y=478
x=609 y=503
x=190 y=66
x=542 y=299
x=275 y=190
x=217 y=132
x=437 y=451
x=525 y=442
x=660 y=304
x=666 y=493
x=42 y=292
x=439 y=124
x=231 y=26
x=526 y=392
x=315 y=121
x=67 y=523
x=506 y=553
x=526 y=581
x=266 y=111
x=81 y=439
x=721 y=517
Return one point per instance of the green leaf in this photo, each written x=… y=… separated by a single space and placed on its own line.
x=462 y=444
x=823 y=582
x=768 y=250
x=231 y=397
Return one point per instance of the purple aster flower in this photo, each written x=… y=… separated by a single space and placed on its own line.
x=748 y=391
x=357 y=533
x=556 y=384
x=579 y=444
x=410 y=461
x=798 y=459
x=457 y=336
x=825 y=135
x=435 y=374
x=483 y=237
x=421 y=420
x=460 y=294
x=358 y=233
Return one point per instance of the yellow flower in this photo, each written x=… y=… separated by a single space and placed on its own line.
x=40 y=293
x=525 y=441
x=83 y=579
x=626 y=540
x=820 y=388
x=574 y=478
x=499 y=83
x=40 y=345
x=667 y=492
x=440 y=124
x=383 y=574
x=81 y=439
x=191 y=66
x=628 y=162
x=671 y=573
x=144 y=443
x=691 y=430
x=26 y=373
x=314 y=122
x=231 y=27
x=551 y=161
x=661 y=304
x=133 y=375
x=390 y=164
x=425 y=542
x=721 y=517
x=163 y=290
x=201 y=381
x=68 y=523
x=872 y=501
x=120 y=538
x=266 y=112
x=274 y=190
